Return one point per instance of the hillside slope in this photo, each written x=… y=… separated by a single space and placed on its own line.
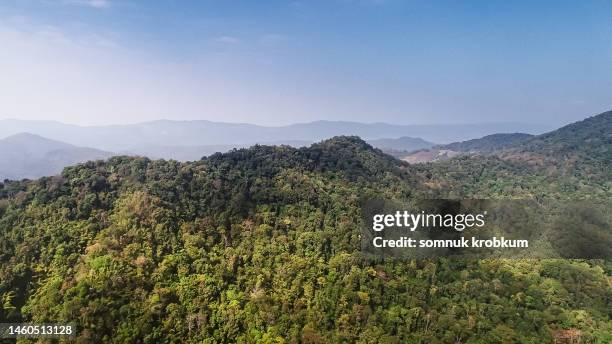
x=582 y=149
x=487 y=144
x=588 y=142
x=484 y=145
x=573 y=162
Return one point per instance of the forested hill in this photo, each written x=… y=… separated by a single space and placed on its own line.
x=573 y=162
x=589 y=140
x=349 y=156
x=487 y=144
x=583 y=146
x=262 y=245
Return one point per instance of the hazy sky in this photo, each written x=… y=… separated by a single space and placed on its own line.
x=279 y=62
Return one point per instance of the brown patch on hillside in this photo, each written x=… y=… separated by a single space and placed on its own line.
x=429 y=155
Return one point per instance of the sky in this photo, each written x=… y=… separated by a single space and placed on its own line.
x=92 y=62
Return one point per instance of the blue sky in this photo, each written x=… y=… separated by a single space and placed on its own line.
x=279 y=62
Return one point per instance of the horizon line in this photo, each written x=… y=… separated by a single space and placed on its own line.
x=275 y=126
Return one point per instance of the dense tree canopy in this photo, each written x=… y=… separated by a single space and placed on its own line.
x=262 y=245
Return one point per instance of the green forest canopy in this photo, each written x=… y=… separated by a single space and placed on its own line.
x=262 y=245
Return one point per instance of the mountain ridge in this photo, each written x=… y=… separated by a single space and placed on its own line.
x=27 y=155
x=593 y=133
x=487 y=144
x=200 y=132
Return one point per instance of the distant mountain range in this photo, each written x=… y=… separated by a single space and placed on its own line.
x=586 y=140
x=120 y=138
x=38 y=148
x=26 y=155
x=32 y=156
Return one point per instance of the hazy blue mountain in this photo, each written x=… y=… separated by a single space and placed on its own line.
x=31 y=156
x=119 y=138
